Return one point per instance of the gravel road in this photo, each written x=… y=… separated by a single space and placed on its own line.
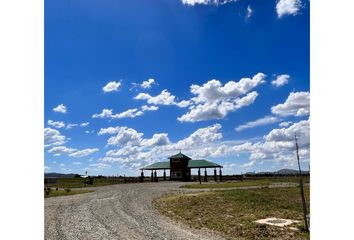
x=121 y=212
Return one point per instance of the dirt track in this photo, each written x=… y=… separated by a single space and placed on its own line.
x=122 y=211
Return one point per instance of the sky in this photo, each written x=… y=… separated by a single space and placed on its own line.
x=129 y=83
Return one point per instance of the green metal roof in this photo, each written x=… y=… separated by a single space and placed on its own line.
x=201 y=163
x=158 y=165
x=179 y=155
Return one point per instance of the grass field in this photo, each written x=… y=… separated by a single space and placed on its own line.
x=233 y=212
x=248 y=183
x=79 y=182
x=61 y=192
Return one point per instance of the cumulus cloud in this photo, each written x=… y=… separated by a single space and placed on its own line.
x=148 y=83
x=60 y=150
x=84 y=152
x=259 y=122
x=149 y=108
x=56 y=124
x=281 y=80
x=206 y=2
x=164 y=98
x=217 y=110
x=125 y=136
x=214 y=101
x=285 y=124
x=297 y=104
x=112 y=86
x=158 y=139
x=61 y=108
x=53 y=137
x=288 y=7
x=130 y=113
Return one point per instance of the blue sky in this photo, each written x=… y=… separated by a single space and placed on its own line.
x=226 y=81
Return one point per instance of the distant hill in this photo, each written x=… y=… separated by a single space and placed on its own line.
x=59 y=175
x=284 y=171
x=290 y=171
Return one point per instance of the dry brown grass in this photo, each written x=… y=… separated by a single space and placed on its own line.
x=233 y=212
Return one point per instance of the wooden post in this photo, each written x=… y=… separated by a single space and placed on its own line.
x=220 y=173
x=164 y=175
x=302 y=187
x=152 y=175
x=215 y=175
x=156 y=180
x=205 y=175
x=199 y=178
x=142 y=176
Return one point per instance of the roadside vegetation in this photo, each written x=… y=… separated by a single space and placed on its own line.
x=80 y=182
x=248 y=182
x=64 y=192
x=233 y=212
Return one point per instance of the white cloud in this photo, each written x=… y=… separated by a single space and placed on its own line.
x=206 y=2
x=259 y=122
x=57 y=151
x=249 y=11
x=53 y=137
x=84 y=124
x=164 y=98
x=61 y=108
x=288 y=7
x=130 y=113
x=214 y=100
x=200 y=137
x=148 y=83
x=106 y=113
x=284 y=124
x=71 y=125
x=125 y=136
x=149 y=108
x=217 y=110
x=112 y=86
x=249 y=164
x=297 y=104
x=109 y=130
x=56 y=124
x=158 y=139
x=77 y=163
x=84 y=152
x=281 y=80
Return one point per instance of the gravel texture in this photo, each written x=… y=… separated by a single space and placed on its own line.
x=121 y=212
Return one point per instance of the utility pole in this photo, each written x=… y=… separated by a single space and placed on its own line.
x=302 y=187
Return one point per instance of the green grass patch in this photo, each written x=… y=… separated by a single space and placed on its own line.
x=248 y=183
x=79 y=182
x=233 y=212
x=62 y=192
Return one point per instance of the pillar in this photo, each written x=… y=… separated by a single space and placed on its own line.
x=220 y=173
x=199 y=178
x=155 y=175
x=215 y=175
x=152 y=175
x=205 y=175
x=142 y=176
x=164 y=175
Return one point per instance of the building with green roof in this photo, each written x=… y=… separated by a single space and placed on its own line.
x=180 y=167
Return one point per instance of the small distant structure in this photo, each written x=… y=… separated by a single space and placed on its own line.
x=180 y=166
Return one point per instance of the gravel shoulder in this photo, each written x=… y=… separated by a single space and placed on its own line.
x=123 y=211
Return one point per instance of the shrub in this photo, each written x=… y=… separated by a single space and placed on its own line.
x=47 y=190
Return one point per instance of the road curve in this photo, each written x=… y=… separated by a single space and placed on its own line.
x=121 y=212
